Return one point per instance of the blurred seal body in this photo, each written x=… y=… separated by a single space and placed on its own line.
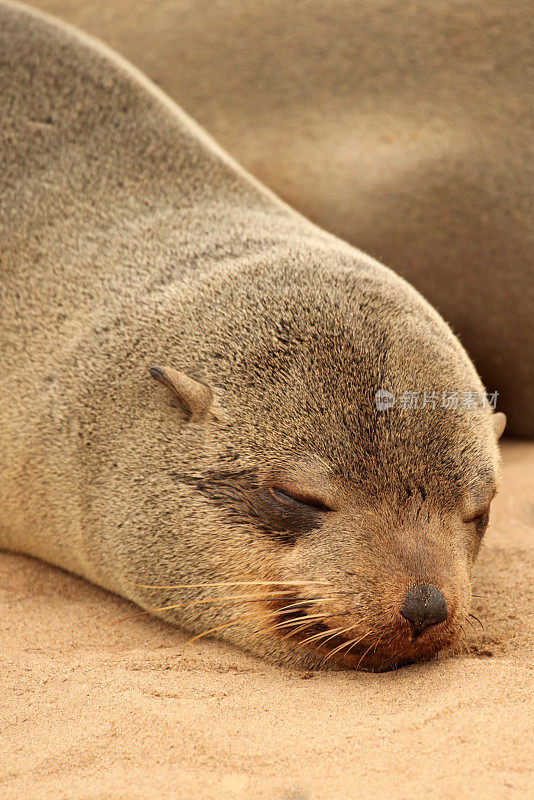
x=291 y=514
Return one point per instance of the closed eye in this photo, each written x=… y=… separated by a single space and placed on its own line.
x=479 y=520
x=290 y=498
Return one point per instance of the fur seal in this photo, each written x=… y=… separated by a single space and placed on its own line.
x=261 y=493
x=403 y=128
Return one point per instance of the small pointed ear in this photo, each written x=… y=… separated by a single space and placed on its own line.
x=499 y=423
x=195 y=396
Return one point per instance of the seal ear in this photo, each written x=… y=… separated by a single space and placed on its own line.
x=499 y=423
x=195 y=396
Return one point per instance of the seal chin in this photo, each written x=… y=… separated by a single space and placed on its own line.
x=393 y=648
x=423 y=649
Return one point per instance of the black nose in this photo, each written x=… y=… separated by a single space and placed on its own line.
x=424 y=605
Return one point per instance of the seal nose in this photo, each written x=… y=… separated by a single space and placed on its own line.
x=424 y=605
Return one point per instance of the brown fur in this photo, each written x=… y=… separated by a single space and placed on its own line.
x=129 y=241
x=402 y=127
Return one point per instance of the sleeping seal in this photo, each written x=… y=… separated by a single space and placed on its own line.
x=309 y=476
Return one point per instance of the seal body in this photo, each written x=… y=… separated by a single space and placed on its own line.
x=264 y=494
x=404 y=130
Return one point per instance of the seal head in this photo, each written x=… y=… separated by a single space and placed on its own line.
x=348 y=530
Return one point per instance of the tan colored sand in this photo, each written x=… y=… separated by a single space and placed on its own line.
x=133 y=711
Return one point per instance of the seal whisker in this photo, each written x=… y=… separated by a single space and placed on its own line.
x=337 y=631
x=377 y=642
x=354 y=642
x=298 y=604
x=462 y=642
x=470 y=623
x=258 y=615
x=304 y=620
x=334 y=632
x=476 y=618
x=330 y=633
x=301 y=622
x=254 y=615
x=362 y=658
x=230 y=583
x=350 y=642
x=212 y=602
x=315 y=615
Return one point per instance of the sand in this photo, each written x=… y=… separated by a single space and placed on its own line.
x=132 y=711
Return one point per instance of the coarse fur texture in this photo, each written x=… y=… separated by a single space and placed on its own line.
x=404 y=128
x=129 y=241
